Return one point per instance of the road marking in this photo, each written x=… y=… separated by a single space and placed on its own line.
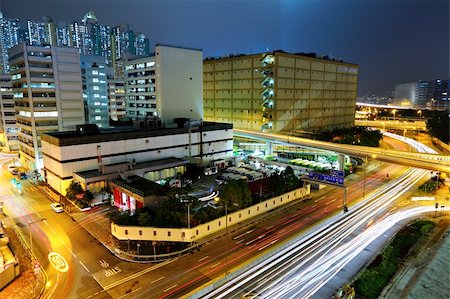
x=269 y=227
x=241 y=235
x=90 y=296
x=313 y=206
x=169 y=288
x=154 y=281
x=129 y=293
x=203 y=258
x=254 y=240
x=85 y=267
x=320 y=198
x=145 y=271
x=240 y=241
x=74 y=255
x=217 y=264
x=271 y=243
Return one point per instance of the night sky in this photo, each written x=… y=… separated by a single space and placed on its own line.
x=393 y=41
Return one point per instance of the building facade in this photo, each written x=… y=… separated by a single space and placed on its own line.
x=432 y=94
x=116 y=98
x=167 y=85
x=280 y=92
x=95 y=156
x=10 y=35
x=8 y=131
x=95 y=90
x=47 y=88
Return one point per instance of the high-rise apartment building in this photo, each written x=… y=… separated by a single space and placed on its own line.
x=47 y=90
x=166 y=85
x=280 y=92
x=140 y=87
x=10 y=35
x=116 y=98
x=8 y=128
x=95 y=90
x=90 y=37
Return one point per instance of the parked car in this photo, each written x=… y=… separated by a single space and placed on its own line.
x=57 y=207
x=15 y=171
x=23 y=175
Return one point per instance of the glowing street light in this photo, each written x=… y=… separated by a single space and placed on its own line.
x=393 y=112
x=419 y=112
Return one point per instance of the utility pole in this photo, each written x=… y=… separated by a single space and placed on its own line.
x=31 y=238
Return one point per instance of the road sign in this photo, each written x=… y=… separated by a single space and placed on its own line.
x=328 y=178
x=58 y=262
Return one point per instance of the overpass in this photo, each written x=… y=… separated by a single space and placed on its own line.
x=393 y=124
x=428 y=161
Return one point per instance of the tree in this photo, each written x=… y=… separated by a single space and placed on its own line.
x=144 y=219
x=438 y=126
x=236 y=195
x=74 y=190
x=289 y=179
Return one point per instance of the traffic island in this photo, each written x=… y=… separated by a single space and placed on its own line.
x=371 y=281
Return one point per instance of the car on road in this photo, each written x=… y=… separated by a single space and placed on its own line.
x=23 y=175
x=57 y=207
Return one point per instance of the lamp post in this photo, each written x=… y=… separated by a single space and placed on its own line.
x=31 y=238
x=419 y=112
x=393 y=112
x=217 y=199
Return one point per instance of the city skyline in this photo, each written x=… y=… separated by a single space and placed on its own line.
x=373 y=34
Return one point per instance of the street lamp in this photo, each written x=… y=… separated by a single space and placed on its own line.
x=393 y=112
x=217 y=199
x=420 y=113
x=31 y=238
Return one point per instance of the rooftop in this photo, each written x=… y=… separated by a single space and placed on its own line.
x=123 y=133
x=139 y=186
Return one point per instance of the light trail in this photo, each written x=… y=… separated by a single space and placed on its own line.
x=302 y=268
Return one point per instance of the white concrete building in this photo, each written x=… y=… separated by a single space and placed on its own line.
x=116 y=98
x=8 y=128
x=95 y=156
x=168 y=85
x=47 y=93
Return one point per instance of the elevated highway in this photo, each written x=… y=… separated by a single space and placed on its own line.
x=428 y=161
x=419 y=125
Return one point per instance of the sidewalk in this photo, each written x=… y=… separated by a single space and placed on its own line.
x=28 y=284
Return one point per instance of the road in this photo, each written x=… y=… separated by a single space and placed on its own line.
x=85 y=256
x=302 y=267
x=183 y=275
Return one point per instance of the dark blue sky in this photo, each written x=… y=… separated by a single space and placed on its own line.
x=393 y=41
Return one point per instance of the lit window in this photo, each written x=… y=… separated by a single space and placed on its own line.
x=95 y=88
x=98 y=117
x=95 y=80
x=94 y=72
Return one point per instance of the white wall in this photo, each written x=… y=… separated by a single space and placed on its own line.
x=204 y=230
x=179 y=83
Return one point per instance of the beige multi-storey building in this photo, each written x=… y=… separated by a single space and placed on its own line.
x=280 y=92
x=48 y=95
x=8 y=129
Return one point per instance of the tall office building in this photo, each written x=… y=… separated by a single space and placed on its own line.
x=47 y=90
x=116 y=98
x=95 y=90
x=280 y=92
x=10 y=35
x=8 y=128
x=166 y=85
x=433 y=94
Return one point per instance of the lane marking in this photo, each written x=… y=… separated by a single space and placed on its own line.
x=129 y=293
x=267 y=245
x=169 y=288
x=240 y=241
x=241 y=235
x=74 y=255
x=203 y=258
x=320 y=198
x=217 y=264
x=154 y=281
x=145 y=271
x=85 y=267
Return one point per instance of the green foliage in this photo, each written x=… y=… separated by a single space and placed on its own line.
x=171 y=213
x=370 y=282
x=236 y=194
x=438 y=126
x=430 y=185
x=284 y=182
x=205 y=214
x=144 y=219
x=74 y=190
x=354 y=135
